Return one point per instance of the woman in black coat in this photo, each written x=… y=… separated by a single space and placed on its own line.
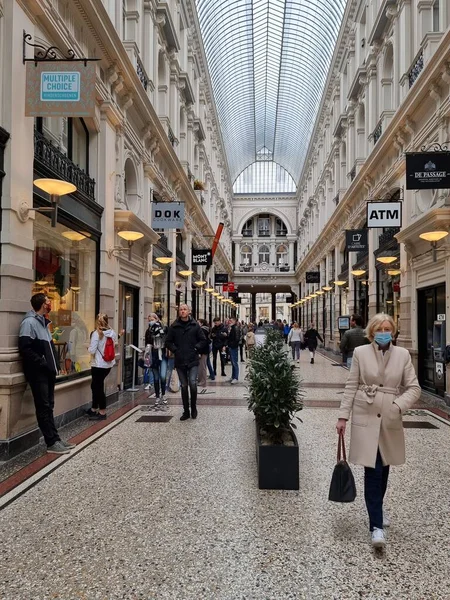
x=311 y=336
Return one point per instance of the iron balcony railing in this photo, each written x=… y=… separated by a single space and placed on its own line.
x=51 y=159
x=281 y=233
x=387 y=236
x=264 y=233
x=415 y=70
x=377 y=132
x=353 y=173
x=247 y=233
x=171 y=136
x=142 y=74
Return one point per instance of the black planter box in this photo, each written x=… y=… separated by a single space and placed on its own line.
x=278 y=466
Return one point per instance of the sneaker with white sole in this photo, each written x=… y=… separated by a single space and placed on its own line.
x=58 y=448
x=234 y=381
x=386 y=521
x=378 y=539
x=147 y=387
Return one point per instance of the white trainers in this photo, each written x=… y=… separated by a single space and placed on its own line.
x=386 y=521
x=233 y=381
x=378 y=539
x=147 y=387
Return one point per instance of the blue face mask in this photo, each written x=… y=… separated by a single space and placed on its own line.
x=383 y=338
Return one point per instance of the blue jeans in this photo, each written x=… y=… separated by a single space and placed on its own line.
x=295 y=346
x=349 y=361
x=159 y=370
x=375 y=484
x=188 y=377
x=209 y=365
x=234 y=355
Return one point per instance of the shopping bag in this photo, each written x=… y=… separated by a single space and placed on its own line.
x=342 y=486
x=174 y=383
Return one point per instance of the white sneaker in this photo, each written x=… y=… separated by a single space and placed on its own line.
x=147 y=387
x=233 y=381
x=163 y=400
x=378 y=539
x=386 y=521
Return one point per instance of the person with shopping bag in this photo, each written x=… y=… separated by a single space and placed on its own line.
x=381 y=386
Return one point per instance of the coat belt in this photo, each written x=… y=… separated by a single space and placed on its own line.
x=371 y=390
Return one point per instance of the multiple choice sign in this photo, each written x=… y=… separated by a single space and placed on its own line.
x=427 y=170
x=356 y=240
x=167 y=215
x=60 y=89
x=384 y=214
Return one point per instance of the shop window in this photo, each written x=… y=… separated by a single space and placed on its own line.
x=65 y=270
x=264 y=226
x=263 y=254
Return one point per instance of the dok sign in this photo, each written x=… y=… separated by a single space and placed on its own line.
x=201 y=257
x=167 y=215
x=356 y=240
x=427 y=170
x=384 y=214
x=60 y=89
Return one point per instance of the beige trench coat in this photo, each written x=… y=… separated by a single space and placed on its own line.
x=375 y=382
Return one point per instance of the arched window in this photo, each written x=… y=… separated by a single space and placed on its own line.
x=246 y=256
x=282 y=256
x=247 y=230
x=264 y=254
x=280 y=230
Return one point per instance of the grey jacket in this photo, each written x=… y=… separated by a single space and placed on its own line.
x=36 y=345
x=351 y=339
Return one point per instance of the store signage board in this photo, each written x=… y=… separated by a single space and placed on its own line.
x=356 y=240
x=167 y=215
x=60 y=89
x=344 y=322
x=220 y=278
x=427 y=170
x=201 y=257
x=441 y=317
x=384 y=214
x=313 y=277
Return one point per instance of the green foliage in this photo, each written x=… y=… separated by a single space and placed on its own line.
x=275 y=393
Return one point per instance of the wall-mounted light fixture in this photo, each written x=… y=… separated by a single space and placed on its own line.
x=433 y=237
x=327 y=288
x=73 y=236
x=209 y=289
x=387 y=260
x=339 y=282
x=358 y=272
x=164 y=260
x=55 y=188
x=393 y=272
x=320 y=292
x=157 y=272
x=130 y=237
x=185 y=272
x=200 y=283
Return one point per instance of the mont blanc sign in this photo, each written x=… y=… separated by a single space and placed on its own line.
x=384 y=214
x=427 y=170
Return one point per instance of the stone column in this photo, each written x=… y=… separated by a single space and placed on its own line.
x=372 y=273
x=253 y=307
x=274 y=306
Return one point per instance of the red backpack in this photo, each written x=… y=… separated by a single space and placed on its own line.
x=110 y=353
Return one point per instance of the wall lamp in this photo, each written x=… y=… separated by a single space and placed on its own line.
x=358 y=272
x=320 y=292
x=156 y=272
x=185 y=273
x=433 y=237
x=164 y=260
x=394 y=272
x=200 y=283
x=387 y=260
x=327 y=288
x=339 y=282
x=130 y=237
x=55 y=188
x=209 y=289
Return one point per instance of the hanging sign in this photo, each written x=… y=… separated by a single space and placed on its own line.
x=384 y=214
x=201 y=257
x=357 y=240
x=441 y=317
x=427 y=170
x=167 y=215
x=313 y=277
x=217 y=238
x=60 y=89
x=220 y=278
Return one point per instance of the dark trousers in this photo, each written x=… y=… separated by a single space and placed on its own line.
x=98 y=387
x=43 y=389
x=375 y=484
x=241 y=351
x=188 y=382
x=222 y=361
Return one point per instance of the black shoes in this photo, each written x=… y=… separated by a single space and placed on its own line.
x=185 y=416
x=194 y=413
x=90 y=412
x=312 y=361
x=97 y=417
x=223 y=374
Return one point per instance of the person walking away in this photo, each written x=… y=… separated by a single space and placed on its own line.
x=233 y=346
x=353 y=338
x=203 y=357
x=295 y=340
x=372 y=396
x=242 y=344
x=286 y=330
x=38 y=353
x=148 y=373
x=250 y=340
x=102 y=350
x=186 y=340
x=219 y=336
x=311 y=336
x=155 y=337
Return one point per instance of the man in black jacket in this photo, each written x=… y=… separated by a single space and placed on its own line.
x=234 y=337
x=187 y=341
x=40 y=368
x=219 y=336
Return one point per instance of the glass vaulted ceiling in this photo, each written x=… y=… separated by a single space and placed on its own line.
x=268 y=61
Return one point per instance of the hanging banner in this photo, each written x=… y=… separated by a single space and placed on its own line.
x=217 y=238
x=201 y=257
x=60 y=89
x=167 y=215
x=220 y=278
x=313 y=277
x=356 y=240
x=427 y=170
x=384 y=214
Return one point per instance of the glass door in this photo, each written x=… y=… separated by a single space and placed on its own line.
x=431 y=302
x=129 y=321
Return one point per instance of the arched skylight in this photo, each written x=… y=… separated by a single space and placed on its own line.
x=268 y=61
x=264 y=178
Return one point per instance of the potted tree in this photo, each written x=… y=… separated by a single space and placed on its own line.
x=274 y=397
x=199 y=186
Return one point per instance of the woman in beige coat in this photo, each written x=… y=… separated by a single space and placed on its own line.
x=381 y=386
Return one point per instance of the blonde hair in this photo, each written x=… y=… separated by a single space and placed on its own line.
x=376 y=321
x=101 y=324
x=295 y=325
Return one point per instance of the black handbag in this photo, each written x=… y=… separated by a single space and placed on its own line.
x=342 y=486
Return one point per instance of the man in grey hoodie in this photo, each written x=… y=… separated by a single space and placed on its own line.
x=40 y=368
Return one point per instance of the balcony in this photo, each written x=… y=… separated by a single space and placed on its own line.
x=263 y=233
x=171 y=136
x=50 y=161
x=247 y=233
x=281 y=233
x=142 y=74
x=264 y=268
x=388 y=236
x=377 y=132
x=416 y=69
